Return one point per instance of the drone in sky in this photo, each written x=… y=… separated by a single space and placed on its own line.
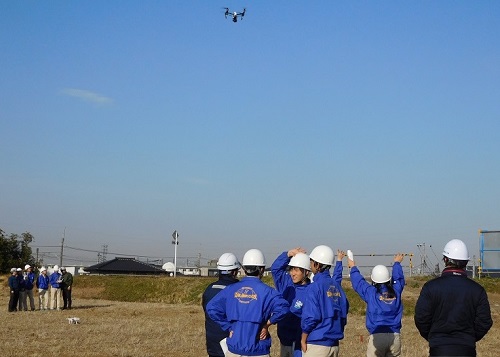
x=234 y=15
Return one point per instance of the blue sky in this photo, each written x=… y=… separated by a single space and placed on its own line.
x=364 y=125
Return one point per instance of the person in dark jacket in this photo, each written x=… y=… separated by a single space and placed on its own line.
x=14 y=287
x=452 y=312
x=66 y=287
x=228 y=266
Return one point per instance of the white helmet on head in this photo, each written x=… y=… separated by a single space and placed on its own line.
x=300 y=260
x=227 y=261
x=27 y=266
x=456 y=249
x=322 y=254
x=380 y=274
x=254 y=257
x=56 y=267
x=43 y=269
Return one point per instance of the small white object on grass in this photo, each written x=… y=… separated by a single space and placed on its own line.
x=74 y=320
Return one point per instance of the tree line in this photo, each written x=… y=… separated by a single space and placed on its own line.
x=15 y=251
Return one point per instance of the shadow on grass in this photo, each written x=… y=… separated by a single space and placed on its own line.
x=84 y=307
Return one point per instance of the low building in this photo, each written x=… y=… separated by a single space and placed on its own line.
x=125 y=266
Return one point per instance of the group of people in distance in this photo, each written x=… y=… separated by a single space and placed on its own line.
x=55 y=288
x=311 y=309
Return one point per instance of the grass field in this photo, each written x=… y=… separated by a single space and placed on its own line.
x=145 y=316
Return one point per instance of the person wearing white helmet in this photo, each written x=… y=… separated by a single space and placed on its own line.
x=324 y=314
x=384 y=306
x=290 y=273
x=14 y=288
x=228 y=267
x=55 y=289
x=22 y=305
x=42 y=283
x=452 y=312
x=247 y=308
x=29 y=283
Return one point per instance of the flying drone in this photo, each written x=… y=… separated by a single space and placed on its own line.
x=234 y=15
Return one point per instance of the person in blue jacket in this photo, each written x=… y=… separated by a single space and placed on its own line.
x=29 y=283
x=384 y=306
x=324 y=314
x=228 y=267
x=55 y=289
x=291 y=278
x=247 y=308
x=42 y=284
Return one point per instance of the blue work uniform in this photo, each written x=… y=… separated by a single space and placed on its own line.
x=54 y=279
x=243 y=309
x=324 y=314
x=43 y=282
x=214 y=334
x=289 y=330
x=383 y=314
x=29 y=281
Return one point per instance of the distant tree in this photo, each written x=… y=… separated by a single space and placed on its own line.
x=15 y=251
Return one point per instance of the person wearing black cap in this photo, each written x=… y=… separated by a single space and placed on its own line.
x=66 y=286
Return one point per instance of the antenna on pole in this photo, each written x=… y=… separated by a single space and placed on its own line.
x=175 y=241
x=62 y=248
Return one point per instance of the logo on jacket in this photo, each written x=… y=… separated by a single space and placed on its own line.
x=245 y=295
x=386 y=298
x=333 y=293
x=298 y=304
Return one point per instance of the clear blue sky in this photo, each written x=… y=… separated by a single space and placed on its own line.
x=365 y=125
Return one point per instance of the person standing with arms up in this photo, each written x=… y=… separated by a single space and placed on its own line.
x=43 y=284
x=228 y=266
x=247 y=308
x=384 y=306
x=291 y=278
x=452 y=312
x=324 y=314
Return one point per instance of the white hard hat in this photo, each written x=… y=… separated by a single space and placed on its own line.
x=43 y=269
x=254 y=257
x=62 y=269
x=56 y=267
x=322 y=254
x=227 y=261
x=27 y=266
x=19 y=269
x=13 y=270
x=456 y=249
x=300 y=260
x=380 y=274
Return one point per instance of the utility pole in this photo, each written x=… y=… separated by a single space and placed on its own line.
x=175 y=241
x=62 y=248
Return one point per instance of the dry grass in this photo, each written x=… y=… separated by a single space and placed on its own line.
x=110 y=328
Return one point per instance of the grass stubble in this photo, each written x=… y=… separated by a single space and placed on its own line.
x=122 y=329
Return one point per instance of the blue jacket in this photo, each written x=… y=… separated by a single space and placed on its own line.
x=383 y=314
x=54 y=277
x=244 y=308
x=29 y=281
x=213 y=332
x=42 y=282
x=289 y=330
x=324 y=314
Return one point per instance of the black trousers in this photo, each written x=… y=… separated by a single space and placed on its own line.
x=14 y=299
x=66 y=294
x=452 y=350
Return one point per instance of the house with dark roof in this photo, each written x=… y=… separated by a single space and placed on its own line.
x=124 y=266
